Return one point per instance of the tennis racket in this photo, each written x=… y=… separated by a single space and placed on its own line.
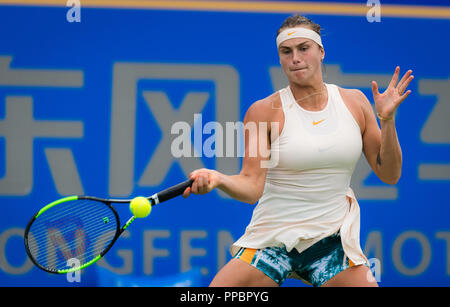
x=80 y=227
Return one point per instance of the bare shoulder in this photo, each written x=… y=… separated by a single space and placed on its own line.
x=358 y=104
x=266 y=109
x=356 y=98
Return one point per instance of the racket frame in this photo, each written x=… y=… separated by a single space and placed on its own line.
x=154 y=199
x=106 y=202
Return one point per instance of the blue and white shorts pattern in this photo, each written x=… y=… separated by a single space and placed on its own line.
x=315 y=265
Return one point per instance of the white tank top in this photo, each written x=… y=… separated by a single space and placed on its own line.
x=307 y=195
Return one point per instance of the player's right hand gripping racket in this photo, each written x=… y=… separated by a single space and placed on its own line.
x=80 y=227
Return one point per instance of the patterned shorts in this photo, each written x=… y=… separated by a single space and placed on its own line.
x=315 y=265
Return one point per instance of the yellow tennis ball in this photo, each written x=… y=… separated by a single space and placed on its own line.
x=140 y=207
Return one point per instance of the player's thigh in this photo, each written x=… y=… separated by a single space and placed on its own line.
x=355 y=276
x=238 y=273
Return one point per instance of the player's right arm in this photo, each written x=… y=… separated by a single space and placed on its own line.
x=248 y=185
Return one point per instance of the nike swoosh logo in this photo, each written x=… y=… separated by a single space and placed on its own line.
x=316 y=123
x=291 y=33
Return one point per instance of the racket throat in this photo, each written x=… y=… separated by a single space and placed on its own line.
x=154 y=199
x=128 y=223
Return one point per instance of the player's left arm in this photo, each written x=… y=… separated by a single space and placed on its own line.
x=381 y=146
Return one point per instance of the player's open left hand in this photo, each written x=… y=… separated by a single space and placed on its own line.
x=387 y=103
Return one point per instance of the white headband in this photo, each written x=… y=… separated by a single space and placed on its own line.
x=298 y=33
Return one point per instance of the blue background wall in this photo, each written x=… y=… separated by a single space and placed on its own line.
x=70 y=92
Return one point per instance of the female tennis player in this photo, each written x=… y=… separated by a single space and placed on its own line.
x=306 y=223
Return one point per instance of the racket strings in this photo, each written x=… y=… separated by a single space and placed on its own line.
x=76 y=229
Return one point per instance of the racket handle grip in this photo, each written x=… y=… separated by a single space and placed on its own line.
x=172 y=192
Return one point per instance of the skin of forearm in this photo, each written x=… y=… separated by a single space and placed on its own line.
x=241 y=187
x=389 y=160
